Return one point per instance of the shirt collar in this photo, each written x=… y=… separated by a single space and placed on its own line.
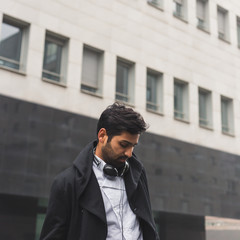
x=98 y=162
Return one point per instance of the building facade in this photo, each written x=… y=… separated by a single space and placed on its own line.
x=176 y=62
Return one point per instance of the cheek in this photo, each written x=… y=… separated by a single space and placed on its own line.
x=109 y=150
x=119 y=152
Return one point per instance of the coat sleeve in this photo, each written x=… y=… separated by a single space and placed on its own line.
x=56 y=222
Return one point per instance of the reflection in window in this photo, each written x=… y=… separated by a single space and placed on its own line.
x=11 y=43
x=124 y=81
x=180 y=100
x=53 y=58
x=52 y=61
x=205 y=108
x=154 y=91
x=91 y=70
x=222 y=23
x=179 y=8
x=202 y=14
x=227 y=115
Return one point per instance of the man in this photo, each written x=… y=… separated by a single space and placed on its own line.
x=104 y=195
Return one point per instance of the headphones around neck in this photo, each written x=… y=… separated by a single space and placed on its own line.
x=110 y=170
x=114 y=172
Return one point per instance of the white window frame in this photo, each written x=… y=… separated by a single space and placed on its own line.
x=96 y=56
x=228 y=127
x=207 y=121
x=182 y=114
x=129 y=96
x=156 y=106
x=63 y=42
x=24 y=26
x=223 y=23
x=202 y=14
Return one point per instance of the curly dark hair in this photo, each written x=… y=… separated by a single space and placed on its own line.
x=117 y=118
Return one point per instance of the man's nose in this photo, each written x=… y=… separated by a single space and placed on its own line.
x=129 y=151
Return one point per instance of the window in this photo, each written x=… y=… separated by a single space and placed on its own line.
x=92 y=70
x=156 y=3
x=227 y=115
x=205 y=108
x=13 y=44
x=202 y=14
x=180 y=8
x=180 y=100
x=125 y=81
x=238 y=31
x=55 y=58
x=222 y=23
x=154 y=91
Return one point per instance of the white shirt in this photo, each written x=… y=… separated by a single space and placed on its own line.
x=122 y=222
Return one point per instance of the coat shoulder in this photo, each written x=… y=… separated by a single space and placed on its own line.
x=65 y=176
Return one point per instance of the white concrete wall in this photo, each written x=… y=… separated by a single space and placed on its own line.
x=145 y=35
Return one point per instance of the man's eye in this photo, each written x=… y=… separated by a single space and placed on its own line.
x=123 y=145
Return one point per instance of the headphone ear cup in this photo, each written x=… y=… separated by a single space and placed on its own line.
x=110 y=170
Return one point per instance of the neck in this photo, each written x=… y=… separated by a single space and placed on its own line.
x=98 y=152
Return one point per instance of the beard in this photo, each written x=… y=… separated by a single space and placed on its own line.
x=110 y=157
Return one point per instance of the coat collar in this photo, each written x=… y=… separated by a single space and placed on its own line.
x=132 y=177
x=86 y=180
x=83 y=164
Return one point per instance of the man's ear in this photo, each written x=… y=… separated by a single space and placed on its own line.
x=102 y=135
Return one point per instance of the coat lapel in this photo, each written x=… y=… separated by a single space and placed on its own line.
x=87 y=188
x=133 y=175
x=91 y=199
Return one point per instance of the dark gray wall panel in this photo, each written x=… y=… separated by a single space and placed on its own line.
x=37 y=142
x=187 y=178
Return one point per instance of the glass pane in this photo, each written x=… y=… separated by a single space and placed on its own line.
x=9 y=64
x=152 y=91
x=10 y=45
x=178 y=100
x=221 y=22
x=201 y=9
x=88 y=88
x=51 y=76
x=203 y=108
x=90 y=68
x=238 y=32
x=178 y=9
x=224 y=113
x=52 y=57
x=122 y=79
x=152 y=88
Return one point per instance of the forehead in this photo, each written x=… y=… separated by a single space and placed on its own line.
x=128 y=137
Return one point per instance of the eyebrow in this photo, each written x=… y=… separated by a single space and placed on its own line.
x=129 y=143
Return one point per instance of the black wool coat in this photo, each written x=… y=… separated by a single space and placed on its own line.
x=76 y=209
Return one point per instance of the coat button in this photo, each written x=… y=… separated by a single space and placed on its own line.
x=135 y=209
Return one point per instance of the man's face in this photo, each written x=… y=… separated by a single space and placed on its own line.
x=119 y=149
